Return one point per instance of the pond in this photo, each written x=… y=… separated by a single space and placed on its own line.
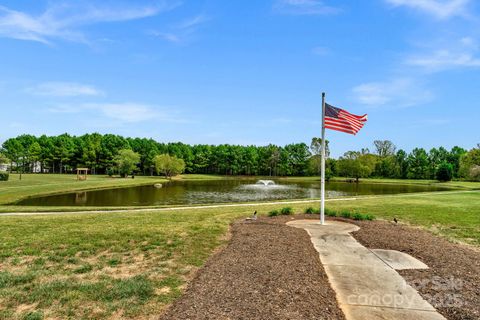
x=220 y=191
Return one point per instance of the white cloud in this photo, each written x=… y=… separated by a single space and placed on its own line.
x=62 y=21
x=181 y=32
x=122 y=112
x=126 y=112
x=193 y=22
x=399 y=92
x=304 y=7
x=459 y=54
x=64 y=89
x=441 y=9
x=445 y=59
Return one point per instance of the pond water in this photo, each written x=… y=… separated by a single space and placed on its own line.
x=219 y=191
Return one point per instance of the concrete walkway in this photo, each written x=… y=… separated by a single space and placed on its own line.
x=367 y=287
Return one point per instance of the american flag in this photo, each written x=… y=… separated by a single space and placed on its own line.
x=341 y=120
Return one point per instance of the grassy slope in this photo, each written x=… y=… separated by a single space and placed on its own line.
x=99 y=265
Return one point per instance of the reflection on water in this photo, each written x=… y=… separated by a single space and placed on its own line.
x=80 y=198
x=219 y=191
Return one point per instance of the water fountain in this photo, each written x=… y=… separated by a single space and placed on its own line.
x=266 y=182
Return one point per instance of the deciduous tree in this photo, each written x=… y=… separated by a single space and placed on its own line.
x=384 y=148
x=126 y=161
x=168 y=165
x=3 y=159
x=356 y=165
x=468 y=161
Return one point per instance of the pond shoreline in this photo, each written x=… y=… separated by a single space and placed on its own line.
x=185 y=192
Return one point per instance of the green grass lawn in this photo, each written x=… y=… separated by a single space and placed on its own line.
x=96 y=266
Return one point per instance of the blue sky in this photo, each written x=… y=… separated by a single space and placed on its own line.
x=242 y=72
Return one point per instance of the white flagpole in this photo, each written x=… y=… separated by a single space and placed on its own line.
x=322 y=186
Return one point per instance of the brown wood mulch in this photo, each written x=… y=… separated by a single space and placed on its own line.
x=451 y=285
x=267 y=271
x=271 y=271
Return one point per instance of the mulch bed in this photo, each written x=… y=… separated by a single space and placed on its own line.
x=271 y=271
x=268 y=271
x=451 y=285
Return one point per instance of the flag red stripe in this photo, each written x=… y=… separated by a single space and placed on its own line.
x=341 y=129
x=350 y=124
x=343 y=122
x=349 y=117
x=362 y=118
x=341 y=115
x=340 y=125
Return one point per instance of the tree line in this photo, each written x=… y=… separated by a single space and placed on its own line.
x=100 y=153
x=387 y=162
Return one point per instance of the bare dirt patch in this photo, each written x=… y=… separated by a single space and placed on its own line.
x=268 y=271
x=23 y=308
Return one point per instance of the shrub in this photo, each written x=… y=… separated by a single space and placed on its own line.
x=309 y=210
x=330 y=213
x=444 y=172
x=346 y=214
x=358 y=216
x=4 y=176
x=286 y=211
x=273 y=213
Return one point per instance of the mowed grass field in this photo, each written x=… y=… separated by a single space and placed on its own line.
x=101 y=266
x=133 y=264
